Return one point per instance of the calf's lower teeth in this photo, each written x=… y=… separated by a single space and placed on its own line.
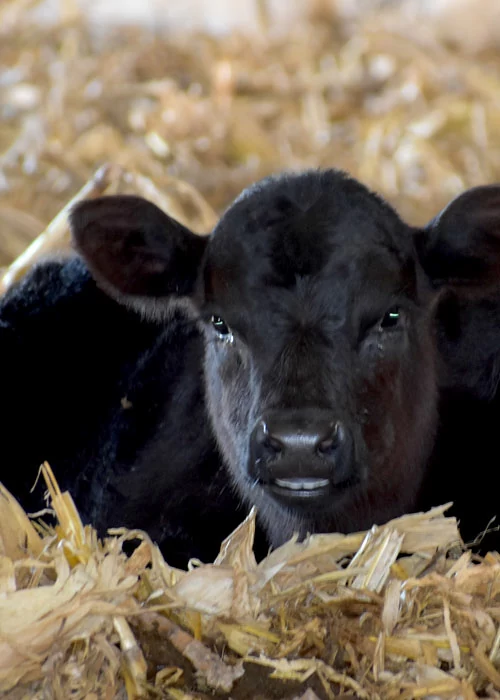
x=302 y=484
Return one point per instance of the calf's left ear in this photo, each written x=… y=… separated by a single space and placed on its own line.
x=460 y=252
x=137 y=251
x=460 y=247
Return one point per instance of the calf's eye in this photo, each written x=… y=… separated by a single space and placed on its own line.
x=391 y=319
x=222 y=329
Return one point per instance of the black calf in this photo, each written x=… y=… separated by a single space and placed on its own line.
x=328 y=349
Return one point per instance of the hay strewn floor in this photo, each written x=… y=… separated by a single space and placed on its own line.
x=400 y=612
x=410 y=117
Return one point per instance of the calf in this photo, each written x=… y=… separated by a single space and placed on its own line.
x=307 y=357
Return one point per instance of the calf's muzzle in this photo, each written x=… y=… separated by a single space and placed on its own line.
x=302 y=455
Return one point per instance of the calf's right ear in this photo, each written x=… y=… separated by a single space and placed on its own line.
x=135 y=250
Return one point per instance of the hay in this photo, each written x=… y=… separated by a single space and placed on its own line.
x=400 y=611
x=412 y=118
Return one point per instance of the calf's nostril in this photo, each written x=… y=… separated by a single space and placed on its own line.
x=333 y=437
x=266 y=440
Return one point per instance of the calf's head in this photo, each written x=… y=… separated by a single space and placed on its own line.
x=318 y=307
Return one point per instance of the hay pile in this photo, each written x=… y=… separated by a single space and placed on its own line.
x=399 y=612
x=380 y=96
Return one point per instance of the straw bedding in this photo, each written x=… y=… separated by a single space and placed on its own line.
x=398 y=612
x=403 y=611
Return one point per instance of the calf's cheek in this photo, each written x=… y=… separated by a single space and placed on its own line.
x=232 y=398
x=388 y=403
x=399 y=434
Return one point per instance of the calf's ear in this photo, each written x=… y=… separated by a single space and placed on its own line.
x=139 y=253
x=460 y=252
x=460 y=247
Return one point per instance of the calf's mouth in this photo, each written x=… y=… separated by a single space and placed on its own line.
x=307 y=484
x=318 y=491
x=303 y=458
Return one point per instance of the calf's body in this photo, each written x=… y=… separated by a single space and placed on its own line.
x=115 y=404
x=314 y=356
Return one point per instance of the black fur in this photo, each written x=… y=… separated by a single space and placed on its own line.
x=115 y=404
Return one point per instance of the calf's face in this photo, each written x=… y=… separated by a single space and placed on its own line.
x=318 y=308
x=319 y=356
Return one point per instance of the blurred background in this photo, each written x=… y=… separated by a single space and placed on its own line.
x=202 y=97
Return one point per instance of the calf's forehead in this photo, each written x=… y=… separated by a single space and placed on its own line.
x=319 y=225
